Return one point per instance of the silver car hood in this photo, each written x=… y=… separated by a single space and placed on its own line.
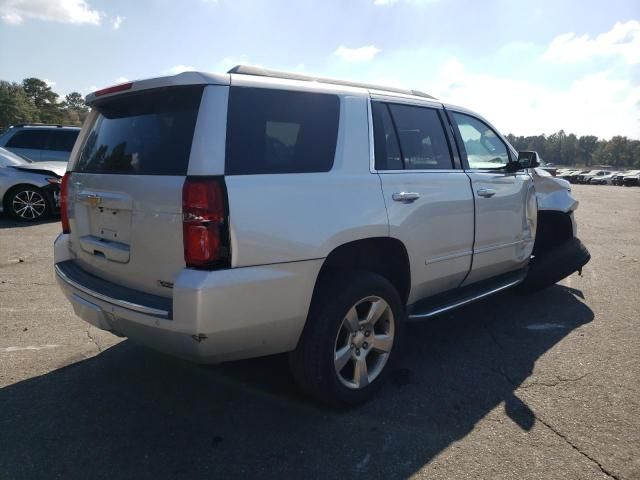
x=57 y=168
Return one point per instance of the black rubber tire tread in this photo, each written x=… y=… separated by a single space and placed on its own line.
x=551 y=266
x=312 y=361
x=9 y=204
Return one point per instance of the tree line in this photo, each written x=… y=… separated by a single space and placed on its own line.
x=33 y=101
x=562 y=149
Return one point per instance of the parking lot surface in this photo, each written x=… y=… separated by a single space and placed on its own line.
x=545 y=385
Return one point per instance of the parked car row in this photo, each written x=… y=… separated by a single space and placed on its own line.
x=601 y=177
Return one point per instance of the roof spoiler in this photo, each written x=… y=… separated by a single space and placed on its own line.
x=263 y=72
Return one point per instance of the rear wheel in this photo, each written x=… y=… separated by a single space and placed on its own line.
x=28 y=204
x=351 y=338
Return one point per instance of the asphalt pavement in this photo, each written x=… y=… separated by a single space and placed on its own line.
x=541 y=386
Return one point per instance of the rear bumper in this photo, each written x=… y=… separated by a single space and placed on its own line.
x=211 y=316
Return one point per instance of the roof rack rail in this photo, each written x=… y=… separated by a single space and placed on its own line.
x=57 y=125
x=263 y=72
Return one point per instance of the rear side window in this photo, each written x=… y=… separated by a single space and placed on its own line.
x=279 y=131
x=62 y=140
x=147 y=133
x=422 y=139
x=409 y=137
x=35 y=139
x=386 y=146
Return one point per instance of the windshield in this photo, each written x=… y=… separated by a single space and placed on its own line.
x=9 y=158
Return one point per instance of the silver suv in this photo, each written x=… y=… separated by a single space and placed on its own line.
x=220 y=217
x=39 y=142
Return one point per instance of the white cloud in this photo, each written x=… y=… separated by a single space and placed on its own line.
x=117 y=22
x=66 y=11
x=12 y=18
x=176 y=69
x=121 y=80
x=623 y=40
x=49 y=83
x=361 y=54
x=599 y=103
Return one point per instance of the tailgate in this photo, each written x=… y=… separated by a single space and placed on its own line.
x=125 y=188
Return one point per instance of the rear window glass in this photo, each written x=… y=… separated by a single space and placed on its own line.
x=148 y=133
x=278 y=131
x=62 y=140
x=35 y=139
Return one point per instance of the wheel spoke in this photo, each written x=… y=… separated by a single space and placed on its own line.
x=376 y=310
x=342 y=358
x=382 y=343
x=361 y=373
x=351 y=320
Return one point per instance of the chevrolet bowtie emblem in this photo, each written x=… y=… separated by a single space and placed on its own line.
x=94 y=200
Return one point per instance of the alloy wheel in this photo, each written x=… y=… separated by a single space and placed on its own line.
x=364 y=342
x=29 y=204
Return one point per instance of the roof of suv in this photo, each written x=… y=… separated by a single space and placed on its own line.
x=244 y=73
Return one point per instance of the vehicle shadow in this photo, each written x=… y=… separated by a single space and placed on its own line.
x=130 y=412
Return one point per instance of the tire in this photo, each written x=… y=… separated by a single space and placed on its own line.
x=336 y=333
x=28 y=204
x=554 y=264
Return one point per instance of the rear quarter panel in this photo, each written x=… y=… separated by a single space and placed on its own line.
x=292 y=217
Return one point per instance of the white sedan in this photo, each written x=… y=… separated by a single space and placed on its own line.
x=29 y=190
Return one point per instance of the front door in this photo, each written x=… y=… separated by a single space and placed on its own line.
x=505 y=202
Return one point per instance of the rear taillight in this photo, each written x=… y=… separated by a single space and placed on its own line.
x=205 y=231
x=64 y=203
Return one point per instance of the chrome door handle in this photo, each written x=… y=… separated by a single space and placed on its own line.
x=486 y=192
x=405 y=197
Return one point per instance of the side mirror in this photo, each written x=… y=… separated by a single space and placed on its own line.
x=514 y=166
x=528 y=159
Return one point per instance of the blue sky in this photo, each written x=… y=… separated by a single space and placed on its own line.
x=530 y=69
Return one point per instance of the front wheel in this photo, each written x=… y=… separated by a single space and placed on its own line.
x=351 y=338
x=28 y=204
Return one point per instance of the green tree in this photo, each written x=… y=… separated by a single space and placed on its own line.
x=39 y=92
x=75 y=101
x=15 y=105
x=75 y=110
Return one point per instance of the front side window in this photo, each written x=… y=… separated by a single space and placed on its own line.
x=409 y=137
x=33 y=139
x=484 y=148
x=280 y=131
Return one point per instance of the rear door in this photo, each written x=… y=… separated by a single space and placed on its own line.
x=126 y=185
x=428 y=199
x=28 y=143
x=505 y=203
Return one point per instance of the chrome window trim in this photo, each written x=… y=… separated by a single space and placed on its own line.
x=434 y=170
x=114 y=301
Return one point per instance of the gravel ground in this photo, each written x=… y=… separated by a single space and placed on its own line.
x=528 y=387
